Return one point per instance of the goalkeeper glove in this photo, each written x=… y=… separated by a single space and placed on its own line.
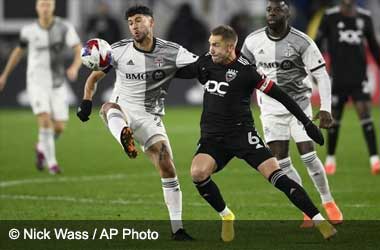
x=84 y=110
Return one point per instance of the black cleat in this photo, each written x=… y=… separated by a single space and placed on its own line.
x=128 y=143
x=181 y=235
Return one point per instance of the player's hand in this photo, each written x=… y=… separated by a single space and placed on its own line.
x=314 y=133
x=3 y=80
x=72 y=73
x=325 y=119
x=84 y=110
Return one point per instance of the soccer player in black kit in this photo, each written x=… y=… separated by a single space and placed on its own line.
x=346 y=27
x=227 y=128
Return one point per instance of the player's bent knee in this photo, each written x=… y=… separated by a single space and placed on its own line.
x=44 y=120
x=59 y=128
x=200 y=173
x=268 y=167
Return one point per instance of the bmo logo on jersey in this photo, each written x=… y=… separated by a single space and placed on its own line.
x=353 y=37
x=216 y=88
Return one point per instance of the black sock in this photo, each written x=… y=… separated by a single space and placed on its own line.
x=332 y=138
x=295 y=192
x=210 y=192
x=370 y=136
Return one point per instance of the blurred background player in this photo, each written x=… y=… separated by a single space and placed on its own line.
x=103 y=25
x=228 y=131
x=286 y=55
x=144 y=68
x=45 y=41
x=346 y=28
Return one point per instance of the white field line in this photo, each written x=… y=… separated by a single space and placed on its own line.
x=4 y=184
x=140 y=201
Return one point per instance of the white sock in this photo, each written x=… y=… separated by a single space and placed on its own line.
x=330 y=159
x=226 y=211
x=116 y=122
x=47 y=145
x=318 y=219
x=173 y=200
x=318 y=175
x=287 y=166
x=373 y=159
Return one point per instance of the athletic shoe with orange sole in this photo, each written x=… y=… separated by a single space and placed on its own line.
x=307 y=222
x=375 y=168
x=333 y=213
x=330 y=168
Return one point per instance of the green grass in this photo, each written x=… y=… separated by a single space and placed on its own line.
x=100 y=182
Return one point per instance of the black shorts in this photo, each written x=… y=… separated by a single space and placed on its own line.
x=341 y=94
x=245 y=144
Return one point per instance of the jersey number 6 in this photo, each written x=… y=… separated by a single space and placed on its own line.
x=254 y=140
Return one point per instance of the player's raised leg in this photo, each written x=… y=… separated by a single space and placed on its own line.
x=118 y=126
x=296 y=194
x=159 y=152
x=202 y=167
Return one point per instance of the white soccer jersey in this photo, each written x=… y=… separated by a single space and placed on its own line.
x=143 y=78
x=287 y=62
x=46 y=52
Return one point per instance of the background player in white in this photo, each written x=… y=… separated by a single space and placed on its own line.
x=286 y=56
x=144 y=68
x=45 y=40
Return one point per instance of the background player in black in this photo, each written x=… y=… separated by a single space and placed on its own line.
x=346 y=27
x=227 y=128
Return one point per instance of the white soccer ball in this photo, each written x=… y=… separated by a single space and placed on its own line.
x=96 y=54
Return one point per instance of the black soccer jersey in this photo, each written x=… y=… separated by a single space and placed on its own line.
x=346 y=37
x=227 y=94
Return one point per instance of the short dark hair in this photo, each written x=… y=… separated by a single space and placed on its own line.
x=138 y=9
x=227 y=32
x=287 y=2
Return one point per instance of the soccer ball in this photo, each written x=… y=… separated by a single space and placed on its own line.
x=96 y=54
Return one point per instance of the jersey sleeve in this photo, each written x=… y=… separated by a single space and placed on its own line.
x=72 y=37
x=184 y=57
x=261 y=82
x=248 y=53
x=23 y=42
x=312 y=57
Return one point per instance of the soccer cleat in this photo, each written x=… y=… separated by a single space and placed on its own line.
x=307 y=222
x=55 y=169
x=40 y=159
x=181 y=235
x=228 y=232
x=128 y=143
x=326 y=229
x=375 y=168
x=330 y=168
x=333 y=213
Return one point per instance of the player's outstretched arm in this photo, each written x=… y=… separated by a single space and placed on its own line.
x=13 y=60
x=311 y=129
x=84 y=110
x=72 y=71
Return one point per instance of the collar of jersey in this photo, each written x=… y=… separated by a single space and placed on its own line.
x=277 y=39
x=143 y=51
x=48 y=28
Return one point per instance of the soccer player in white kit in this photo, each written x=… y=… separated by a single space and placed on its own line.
x=144 y=68
x=45 y=41
x=291 y=59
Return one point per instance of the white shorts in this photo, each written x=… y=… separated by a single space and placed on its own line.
x=283 y=127
x=52 y=101
x=147 y=128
